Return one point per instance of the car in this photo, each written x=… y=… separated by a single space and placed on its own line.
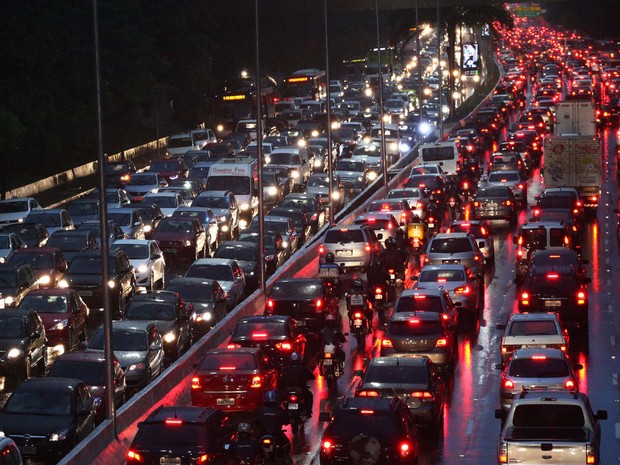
x=455 y=248
x=91 y=367
x=130 y=221
x=318 y=184
x=277 y=184
x=512 y=179
x=168 y=202
x=114 y=231
x=9 y=244
x=16 y=281
x=227 y=272
x=352 y=176
x=224 y=205
x=421 y=333
x=542 y=261
x=481 y=232
x=466 y=294
x=413 y=379
x=541 y=368
x=165 y=433
x=247 y=255
x=171 y=316
x=33 y=234
x=73 y=242
x=417 y=198
x=532 y=331
x=278 y=336
x=181 y=237
x=428 y=183
x=380 y=430
x=83 y=209
x=118 y=173
x=54 y=219
x=16 y=210
x=178 y=144
x=151 y=216
x=282 y=225
x=85 y=276
x=147 y=260
x=206 y=296
x=143 y=183
x=298 y=159
x=506 y=161
x=47 y=263
x=309 y=202
x=355 y=247
x=275 y=251
x=115 y=197
x=562 y=197
x=139 y=348
x=64 y=315
x=47 y=417
x=561 y=215
x=169 y=168
x=307 y=300
x=233 y=380
x=194 y=185
x=22 y=344
x=384 y=225
x=301 y=221
x=208 y=220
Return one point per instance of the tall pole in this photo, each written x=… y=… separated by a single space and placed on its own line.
x=259 y=145
x=417 y=46
x=440 y=74
x=381 y=109
x=103 y=216
x=330 y=164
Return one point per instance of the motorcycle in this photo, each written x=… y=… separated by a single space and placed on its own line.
x=295 y=404
x=379 y=301
x=454 y=207
x=330 y=275
x=330 y=366
x=274 y=453
x=245 y=452
x=357 y=306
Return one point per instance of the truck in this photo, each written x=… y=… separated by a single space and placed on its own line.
x=240 y=176
x=574 y=161
x=575 y=117
x=549 y=426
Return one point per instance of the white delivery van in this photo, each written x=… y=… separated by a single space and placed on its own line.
x=240 y=176
x=444 y=154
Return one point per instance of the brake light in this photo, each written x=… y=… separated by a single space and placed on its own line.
x=386 y=343
x=385 y=207
x=520 y=186
x=327 y=446
x=403 y=216
x=569 y=384
x=357 y=315
x=227 y=368
x=590 y=455
x=581 y=298
x=442 y=342
x=418 y=297
x=284 y=345
x=233 y=345
x=422 y=395
x=327 y=355
x=419 y=205
x=404 y=449
x=483 y=231
x=476 y=203
x=539 y=357
x=503 y=453
x=367 y=412
x=414 y=321
x=292 y=398
x=367 y=247
x=203 y=458
x=321 y=249
x=257 y=382
x=442 y=280
x=173 y=422
x=508 y=384
x=368 y=394
x=422 y=185
x=259 y=335
x=318 y=303
x=536 y=212
x=378 y=290
x=552 y=276
x=463 y=290
x=195 y=382
x=525 y=298
x=133 y=456
x=372 y=220
x=520 y=240
x=270 y=303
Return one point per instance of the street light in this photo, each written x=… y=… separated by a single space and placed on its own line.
x=330 y=167
x=259 y=146
x=381 y=115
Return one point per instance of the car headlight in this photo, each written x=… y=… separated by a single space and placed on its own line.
x=244 y=207
x=188 y=243
x=63 y=284
x=284 y=244
x=154 y=190
x=59 y=436
x=267 y=159
x=169 y=337
x=2 y=259
x=360 y=179
x=60 y=325
x=147 y=228
x=224 y=227
x=14 y=353
x=111 y=284
x=318 y=163
x=404 y=147
x=2 y=434
x=335 y=196
x=125 y=178
x=136 y=367
x=243 y=224
x=372 y=175
x=45 y=280
x=9 y=300
x=143 y=268
x=221 y=218
x=295 y=174
x=314 y=133
x=272 y=190
x=205 y=316
x=394 y=146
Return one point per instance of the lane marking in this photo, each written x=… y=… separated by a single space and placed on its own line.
x=617 y=430
x=612 y=340
x=470 y=427
x=610 y=308
x=614 y=379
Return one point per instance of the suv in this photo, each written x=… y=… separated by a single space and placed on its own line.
x=22 y=343
x=224 y=205
x=545 y=425
x=191 y=434
x=481 y=233
x=359 y=427
x=354 y=247
x=459 y=248
x=541 y=235
x=15 y=282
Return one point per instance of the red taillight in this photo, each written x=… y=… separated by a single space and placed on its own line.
x=257 y=335
x=419 y=205
x=404 y=449
x=442 y=342
x=270 y=303
x=508 y=384
x=292 y=398
x=536 y=212
x=318 y=303
x=525 y=298
x=476 y=203
x=581 y=297
x=321 y=249
x=173 y=422
x=357 y=315
x=327 y=355
x=133 y=456
x=232 y=345
x=552 y=276
x=257 y=382
x=327 y=446
x=569 y=384
x=508 y=202
x=284 y=345
x=204 y=458
x=378 y=291
x=422 y=395
x=386 y=343
x=367 y=247
x=463 y=290
x=520 y=186
x=195 y=382
x=368 y=394
x=367 y=412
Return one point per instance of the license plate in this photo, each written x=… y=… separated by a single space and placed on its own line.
x=553 y=303
x=379 y=296
x=357 y=322
x=431 y=225
x=344 y=253
x=170 y=461
x=28 y=450
x=533 y=346
x=170 y=250
x=357 y=299
x=325 y=272
x=301 y=322
x=85 y=293
x=328 y=361
x=294 y=406
x=226 y=401
x=392 y=276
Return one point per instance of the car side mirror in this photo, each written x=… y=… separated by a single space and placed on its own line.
x=358 y=373
x=326 y=416
x=600 y=415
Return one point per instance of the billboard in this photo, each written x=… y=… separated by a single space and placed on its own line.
x=469 y=57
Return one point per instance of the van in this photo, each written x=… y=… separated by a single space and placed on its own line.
x=240 y=176
x=297 y=159
x=445 y=154
x=178 y=144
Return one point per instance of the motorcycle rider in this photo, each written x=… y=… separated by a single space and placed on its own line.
x=403 y=244
x=246 y=446
x=329 y=263
x=330 y=334
x=296 y=376
x=393 y=258
x=271 y=418
x=359 y=287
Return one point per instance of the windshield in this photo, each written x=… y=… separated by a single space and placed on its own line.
x=503 y=176
x=45 y=303
x=425 y=303
x=4 y=241
x=319 y=181
x=451 y=245
x=175 y=225
x=211 y=202
x=38 y=261
x=192 y=293
x=233 y=361
x=128 y=340
x=13 y=206
x=237 y=253
x=116 y=167
x=382 y=425
x=283 y=158
x=143 y=180
x=87 y=265
x=39 y=402
x=215 y=272
x=162 y=201
x=46 y=219
x=133 y=251
x=296 y=288
x=414 y=327
x=539 y=367
x=151 y=310
x=335 y=236
x=92 y=373
x=236 y=184
x=532 y=328
x=12 y=328
x=164 y=166
x=350 y=166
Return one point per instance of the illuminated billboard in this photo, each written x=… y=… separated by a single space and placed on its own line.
x=469 y=56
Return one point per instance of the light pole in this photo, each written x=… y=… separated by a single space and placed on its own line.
x=259 y=146
x=381 y=112
x=440 y=72
x=330 y=165
x=417 y=46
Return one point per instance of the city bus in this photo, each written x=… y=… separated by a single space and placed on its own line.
x=305 y=84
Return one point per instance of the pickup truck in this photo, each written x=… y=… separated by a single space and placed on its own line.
x=547 y=426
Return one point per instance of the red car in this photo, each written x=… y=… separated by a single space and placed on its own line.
x=181 y=236
x=48 y=263
x=64 y=315
x=233 y=380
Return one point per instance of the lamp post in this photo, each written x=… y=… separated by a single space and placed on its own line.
x=259 y=146
x=381 y=110
x=330 y=165
x=440 y=72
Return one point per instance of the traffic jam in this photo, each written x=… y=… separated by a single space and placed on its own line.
x=466 y=316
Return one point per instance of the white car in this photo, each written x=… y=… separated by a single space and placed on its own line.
x=147 y=260
x=9 y=243
x=168 y=202
x=15 y=210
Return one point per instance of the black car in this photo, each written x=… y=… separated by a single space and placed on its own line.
x=414 y=379
x=91 y=367
x=170 y=314
x=16 y=280
x=118 y=173
x=151 y=215
x=85 y=276
x=22 y=344
x=72 y=242
x=275 y=251
x=187 y=434
x=307 y=300
x=33 y=234
x=114 y=230
x=311 y=203
x=278 y=336
x=247 y=256
x=495 y=203
x=377 y=429
x=206 y=296
x=47 y=417
x=303 y=226
x=542 y=261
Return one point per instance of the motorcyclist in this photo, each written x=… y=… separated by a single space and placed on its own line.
x=330 y=334
x=271 y=418
x=376 y=275
x=403 y=244
x=329 y=263
x=246 y=446
x=296 y=375
x=359 y=287
x=393 y=258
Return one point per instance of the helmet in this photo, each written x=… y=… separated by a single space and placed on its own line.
x=400 y=234
x=295 y=358
x=330 y=319
x=329 y=257
x=358 y=284
x=390 y=243
x=271 y=397
x=244 y=427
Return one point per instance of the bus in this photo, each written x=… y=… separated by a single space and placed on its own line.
x=388 y=61
x=305 y=84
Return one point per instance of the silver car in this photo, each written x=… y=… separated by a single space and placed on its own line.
x=512 y=179
x=455 y=248
x=383 y=224
x=354 y=247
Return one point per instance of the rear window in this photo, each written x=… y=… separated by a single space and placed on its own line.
x=231 y=361
x=374 y=223
x=441 y=276
x=503 y=177
x=423 y=303
x=396 y=374
x=556 y=201
x=414 y=327
x=381 y=425
x=386 y=206
x=540 y=367
x=335 y=236
x=548 y=415
x=451 y=245
x=532 y=328
x=296 y=289
x=159 y=434
x=260 y=331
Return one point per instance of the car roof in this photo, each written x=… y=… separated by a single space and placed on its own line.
x=196 y=415
x=532 y=316
x=213 y=261
x=50 y=383
x=81 y=356
x=529 y=353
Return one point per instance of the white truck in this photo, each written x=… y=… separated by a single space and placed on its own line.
x=240 y=176
x=575 y=117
